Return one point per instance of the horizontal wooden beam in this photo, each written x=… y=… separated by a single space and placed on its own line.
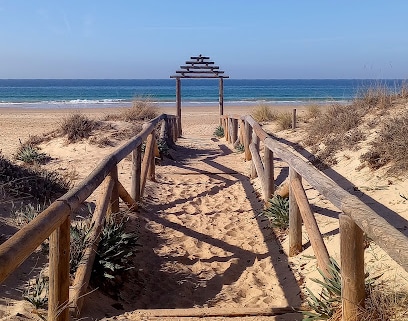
x=200 y=57
x=199 y=67
x=211 y=312
x=199 y=62
x=201 y=71
x=197 y=76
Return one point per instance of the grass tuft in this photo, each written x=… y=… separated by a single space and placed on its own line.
x=284 y=120
x=219 y=132
x=36 y=291
x=263 y=113
x=30 y=154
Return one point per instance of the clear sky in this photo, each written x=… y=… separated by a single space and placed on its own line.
x=247 y=39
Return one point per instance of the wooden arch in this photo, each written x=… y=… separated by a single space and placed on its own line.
x=198 y=67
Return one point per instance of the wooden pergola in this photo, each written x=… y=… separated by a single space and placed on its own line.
x=198 y=67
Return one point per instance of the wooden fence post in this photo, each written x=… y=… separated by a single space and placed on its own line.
x=59 y=273
x=241 y=132
x=352 y=268
x=294 y=118
x=114 y=200
x=234 y=130
x=295 y=219
x=227 y=129
x=151 y=171
x=269 y=175
x=255 y=141
x=136 y=173
x=146 y=161
x=247 y=140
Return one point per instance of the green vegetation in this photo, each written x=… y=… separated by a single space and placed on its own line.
x=277 y=212
x=219 y=132
x=240 y=148
x=30 y=154
x=36 y=292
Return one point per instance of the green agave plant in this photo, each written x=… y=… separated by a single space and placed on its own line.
x=277 y=212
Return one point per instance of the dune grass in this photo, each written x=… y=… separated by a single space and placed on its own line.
x=263 y=113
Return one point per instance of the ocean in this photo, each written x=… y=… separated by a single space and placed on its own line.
x=83 y=93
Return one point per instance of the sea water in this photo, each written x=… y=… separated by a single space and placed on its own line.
x=82 y=93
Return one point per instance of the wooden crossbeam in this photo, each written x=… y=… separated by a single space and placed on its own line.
x=199 y=62
x=199 y=67
x=200 y=57
x=199 y=71
x=198 y=76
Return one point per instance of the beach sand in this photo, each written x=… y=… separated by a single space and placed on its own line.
x=203 y=242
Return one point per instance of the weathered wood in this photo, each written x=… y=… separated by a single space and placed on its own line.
x=17 y=248
x=58 y=298
x=136 y=173
x=283 y=189
x=241 y=131
x=268 y=174
x=227 y=130
x=84 y=270
x=215 y=76
x=199 y=62
x=221 y=96
x=257 y=164
x=151 y=170
x=315 y=237
x=378 y=229
x=178 y=106
x=255 y=142
x=210 y=312
x=114 y=199
x=199 y=71
x=352 y=268
x=294 y=118
x=234 y=130
x=247 y=141
x=146 y=162
x=295 y=219
x=125 y=196
x=199 y=67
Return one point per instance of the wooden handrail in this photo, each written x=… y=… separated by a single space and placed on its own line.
x=55 y=219
x=364 y=219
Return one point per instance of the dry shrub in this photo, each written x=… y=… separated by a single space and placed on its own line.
x=78 y=126
x=284 y=120
x=377 y=96
x=313 y=111
x=391 y=145
x=263 y=113
x=141 y=110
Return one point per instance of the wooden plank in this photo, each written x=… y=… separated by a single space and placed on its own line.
x=199 y=76
x=200 y=71
x=199 y=62
x=352 y=268
x=234 y=130
x=151 y=169
x=83 y=273
x=211 y=312
x=295 y=219
x=199 y=67
x=315 y=237
x=58 y=298
x=200 y=57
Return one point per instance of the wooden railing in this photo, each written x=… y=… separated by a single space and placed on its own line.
x=54 y=222
x=356 y=218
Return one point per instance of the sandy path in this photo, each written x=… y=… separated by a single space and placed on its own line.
x=203 y=243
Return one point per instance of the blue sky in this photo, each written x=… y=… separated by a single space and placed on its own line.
x=247 y=39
